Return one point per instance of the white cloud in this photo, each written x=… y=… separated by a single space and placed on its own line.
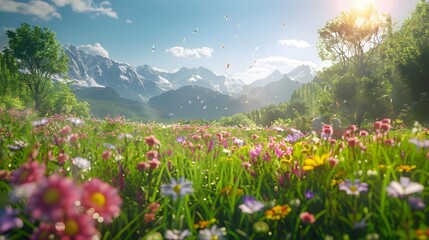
x=190 y=52
x=265 y=66
x=95 y=49
x=129 y=21
x=37 y=8
x=88 y=6
x=294 y=43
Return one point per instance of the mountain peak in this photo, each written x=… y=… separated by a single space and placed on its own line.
x=303 y=73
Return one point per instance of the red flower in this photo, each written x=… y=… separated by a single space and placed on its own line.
x=151 y=140
x=29 y=172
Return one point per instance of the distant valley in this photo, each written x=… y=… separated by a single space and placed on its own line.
x=115 y=88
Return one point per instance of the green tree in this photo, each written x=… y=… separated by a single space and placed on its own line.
x=409 y=51
x=39 y=56
x=352 y=41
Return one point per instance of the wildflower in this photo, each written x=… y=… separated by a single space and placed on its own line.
x=53 y=198
x=250 y=205
x=352 y=141
x=40 y=123
x=65 y=130
x=333 y=161
x=125 y=136
x=238 y=142
x=306 y=148
x=353 y=188
x=149 y=217
x=9 y=220
x=44 y=231
x=278 y=212
x=205 y=223
x=76 y=121
x=405 y=168
x=371 y=172
x=152 y=154
x=316 y=161
x=102 y=198
x=416 y=203
x=17 y=145
x=106 y=154
x=403 y=188
x=420 y=143
x=213 y=233
x=327 y=131
x=151 y=141
x=154 y=163
x=177 y=188
x=109 y=146
x=363 y=133
x=181 y=139
x=153 y=207
x=228 y=190
x=62 y=158
x=29 y=172
x=76 y=226
x=307 y=218
x=294 y=137
x=81 y=163
x=309 y=194
x=177 y=234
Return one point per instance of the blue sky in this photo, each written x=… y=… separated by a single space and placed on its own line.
x=170 y=34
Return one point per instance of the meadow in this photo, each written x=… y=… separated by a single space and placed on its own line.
x=68 y=178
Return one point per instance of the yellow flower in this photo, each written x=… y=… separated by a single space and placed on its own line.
x=306 y=148
x=205 y=223
x=405 y=168
x=316 y=161
x=286 y=161
x=278 y=212
x=335 y=182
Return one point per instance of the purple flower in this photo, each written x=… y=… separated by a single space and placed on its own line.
x=177 y=188
x=213 y=233
x=403 y=188
x=181 y=139
x=250 y=205
x=416 y=203
x=420 y=143
x=177 y=234
x=353 y=188
x=309 y=194
x=8 y=219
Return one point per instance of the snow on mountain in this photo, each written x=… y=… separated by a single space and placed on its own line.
x=203 y=77
x=87 y=70
x=303 y=73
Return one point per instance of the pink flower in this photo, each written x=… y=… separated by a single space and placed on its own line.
x=141 y=166
x=62 y=158
x=28 y=172
x=153 y=207
x=76 y=226
x=44 y=231
x=151 y=141
x=73 y=138
x=363 y=133
x=307 y=218
x=103 y=198
x=333 y=161
x=352 y=141
x=149 y=217
x=106 y=154
x=65 y=130
x=154 y=163
x=53 y=198
x=152 y=154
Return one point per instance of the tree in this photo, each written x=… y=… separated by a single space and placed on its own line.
x=409 y=51
x=39 y=56
x=352 y=41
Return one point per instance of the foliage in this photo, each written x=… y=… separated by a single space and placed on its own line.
x=247 y=183
x=239 y=119
x=408 y=49
x=352 y=40
x=38 y=57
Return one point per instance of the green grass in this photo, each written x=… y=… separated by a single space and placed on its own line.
x=220 y=181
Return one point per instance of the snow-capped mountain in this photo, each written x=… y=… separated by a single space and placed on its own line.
x=96 y=71
x=303 y=73
x=203 y=77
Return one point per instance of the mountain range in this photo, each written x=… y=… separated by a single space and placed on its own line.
x=161 y=89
